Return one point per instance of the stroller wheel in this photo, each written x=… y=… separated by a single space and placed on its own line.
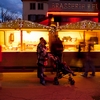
x=71 y=81
x=56 y=82
x=59 y=76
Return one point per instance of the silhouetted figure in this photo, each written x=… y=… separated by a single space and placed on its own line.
x=56 y=50
x=88 y=64
x=79 y=52
x=57 y=47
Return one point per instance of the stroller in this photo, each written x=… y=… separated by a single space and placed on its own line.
x=61 y=70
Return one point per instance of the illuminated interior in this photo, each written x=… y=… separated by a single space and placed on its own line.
x=11 y=40
x=72 y=39
x=15 y=38
x=21 y=35
x=31 y=40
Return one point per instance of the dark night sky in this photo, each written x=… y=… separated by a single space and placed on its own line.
x=12 y=5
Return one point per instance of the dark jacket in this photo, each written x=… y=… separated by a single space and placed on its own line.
x=56 y=47
x=41 y=54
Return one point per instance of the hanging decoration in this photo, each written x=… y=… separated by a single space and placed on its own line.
x=22 y=24
x=11 y=38
x=82 y=25
x=52 y=30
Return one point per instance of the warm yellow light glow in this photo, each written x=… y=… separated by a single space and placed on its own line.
x=16 y=37
x=64 y=40
x=97 y=47
x=74 y=13
x=78 y=35
x=28 y=32
x=34 y=36
x=52 y=19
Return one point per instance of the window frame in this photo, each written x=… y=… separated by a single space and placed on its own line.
x=32 y=17
x=40 y=6
x=32 y=6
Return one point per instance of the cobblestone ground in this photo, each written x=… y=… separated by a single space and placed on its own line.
x=25 y=86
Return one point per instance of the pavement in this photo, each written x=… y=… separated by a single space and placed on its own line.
x=26 y=86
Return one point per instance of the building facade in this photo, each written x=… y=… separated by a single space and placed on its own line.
x=34 y=10
x=64 y=11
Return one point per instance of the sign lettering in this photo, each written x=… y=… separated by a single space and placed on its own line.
x=74 y=6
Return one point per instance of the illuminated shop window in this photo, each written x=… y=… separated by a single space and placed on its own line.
x=72 y=39
x=10 y=40
x=13 y=41
x=31 y=39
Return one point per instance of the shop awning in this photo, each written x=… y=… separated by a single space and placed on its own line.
x=22 y=24
x=82 y=25
x=45 y=22
x=63 y=23
x=76 y=19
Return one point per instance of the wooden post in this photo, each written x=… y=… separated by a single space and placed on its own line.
x=21 y=38
x=99 y=16
x=4 y=38
x=84 y=40
x=0 y=67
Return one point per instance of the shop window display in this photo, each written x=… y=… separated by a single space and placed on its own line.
x=31 y=39
x=14 y=41
x=72 y=40
x=10 y=41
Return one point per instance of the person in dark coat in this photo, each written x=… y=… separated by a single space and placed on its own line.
x=88 y=64
x=56 y=50
x=57 y=47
